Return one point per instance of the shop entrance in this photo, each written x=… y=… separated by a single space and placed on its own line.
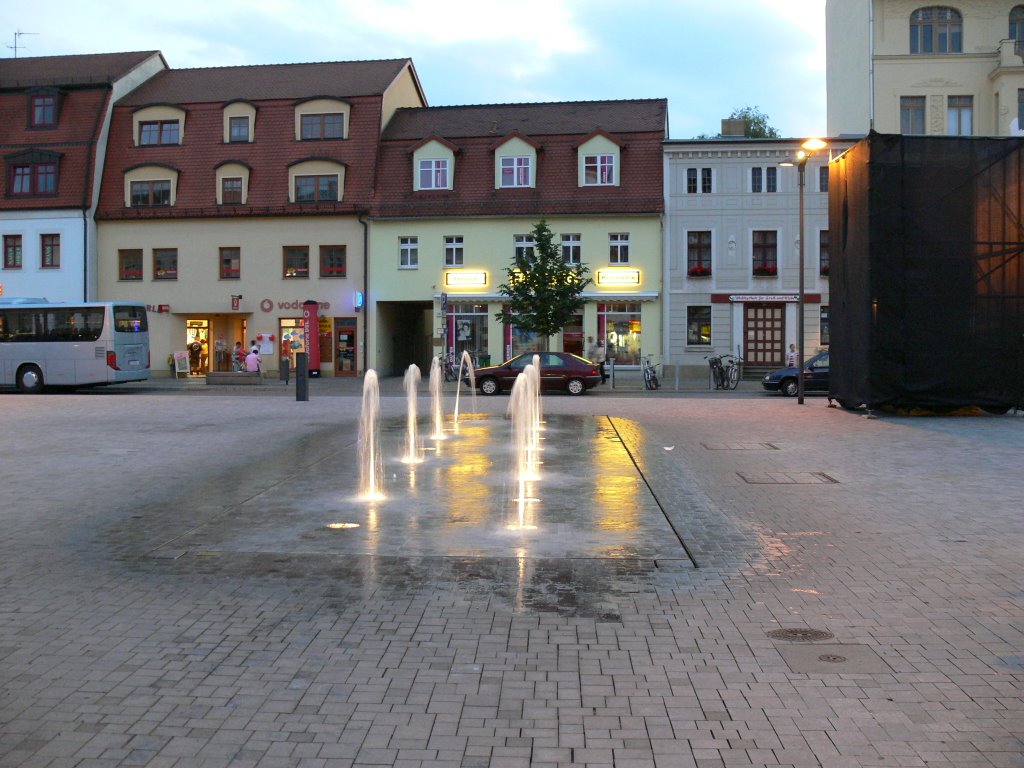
x=197 y=343
x=764 y=327
x=347 y=359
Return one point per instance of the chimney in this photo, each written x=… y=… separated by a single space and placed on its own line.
x=733 y=127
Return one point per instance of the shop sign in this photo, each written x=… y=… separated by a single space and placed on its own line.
x=268 y=305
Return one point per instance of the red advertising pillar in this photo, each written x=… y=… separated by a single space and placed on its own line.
x=311 y=327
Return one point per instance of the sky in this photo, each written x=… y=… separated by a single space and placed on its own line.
x=707 y=57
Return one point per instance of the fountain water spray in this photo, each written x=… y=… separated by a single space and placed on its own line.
x=436 y=401
x=412 y=447
x=371 y=464
x=465 y=363
x=522 y=411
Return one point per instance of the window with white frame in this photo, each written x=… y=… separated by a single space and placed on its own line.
x=515 y=172
x=454 y=256
x=599 y=170
x=572 y=248
x=434 y=173
x=764 y=179
x=408 y=252
x=523 y=246
x=618 y=248
x=698 y=180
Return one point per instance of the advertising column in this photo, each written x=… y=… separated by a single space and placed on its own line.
x=311 y=325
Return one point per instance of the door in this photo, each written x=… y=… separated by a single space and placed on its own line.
x=764 y=327
x=346 y=363
x=197 y=342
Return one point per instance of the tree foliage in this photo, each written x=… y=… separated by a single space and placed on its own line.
x=543 y=291
x=755 y=121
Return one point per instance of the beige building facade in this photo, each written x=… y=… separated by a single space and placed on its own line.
x=902 y=66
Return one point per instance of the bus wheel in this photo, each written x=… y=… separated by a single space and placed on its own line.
x=30 y=380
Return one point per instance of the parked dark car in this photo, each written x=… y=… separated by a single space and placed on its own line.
x=785 y=380
x=559 y=372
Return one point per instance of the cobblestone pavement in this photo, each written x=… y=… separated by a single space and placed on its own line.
x=171 y=596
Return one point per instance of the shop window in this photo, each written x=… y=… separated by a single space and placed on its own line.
x=333 y=261
x=165 y=263
x=698 y=326
x=619 y=324
x=49 y=249
x=129 y=264
x=230 y=263
x=468 y=329
x=296 y=262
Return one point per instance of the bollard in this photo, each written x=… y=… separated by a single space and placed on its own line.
x=286 y=364
x=611 y=372
x=301 y=379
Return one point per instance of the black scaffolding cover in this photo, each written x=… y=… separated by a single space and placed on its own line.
x=926 y=293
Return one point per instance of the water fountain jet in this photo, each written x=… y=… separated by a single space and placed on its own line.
x=412 y=447
x=371 y=463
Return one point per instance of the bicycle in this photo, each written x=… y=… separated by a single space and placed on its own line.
x=448 y=367
x=733 y=370
x=650 y=375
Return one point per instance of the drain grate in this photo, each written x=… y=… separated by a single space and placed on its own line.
x=787 y=478
x=832 y=658
x=800 y=635
x=740 y=447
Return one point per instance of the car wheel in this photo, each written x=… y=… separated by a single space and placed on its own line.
x=30 y=380
x=489 y=386
x=789 y=387
x=576 y=386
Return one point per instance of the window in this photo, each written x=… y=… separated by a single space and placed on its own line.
x=310 y=189
x=572 y=249
x=434 y=174
x=129 y=264
x=765 y=251
x=912 y=115
x=49 y=250
x=230 y=263
x=936 y=30
x=698 y=253
x=44 y=110
x=959 y=113
x=151 y=193
x=1017 y=23
x=238 y=129
x=165 y=263
x=333 y=261
x=618 y=248
x=599 y=170
x=329 y=126
x=823 y=252
x=698 y=180
x=33 y=179
x=698 y=326
x=12 y=251
x=764 y=179
x=152 y=132
x=296 y=261
x=823 y=329
x=823 y=178
x=515 y=171
x=231 y=191
x=453 y=253
x=408 y=252
x=523 y=247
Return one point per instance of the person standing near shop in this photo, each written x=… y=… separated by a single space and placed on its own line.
x=791 y=356
x=252 y=361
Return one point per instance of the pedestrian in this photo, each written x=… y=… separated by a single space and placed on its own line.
x=791 y=356
x=238 y=357
x=252 y=362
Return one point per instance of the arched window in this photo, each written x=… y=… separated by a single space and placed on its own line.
x=1017 y=23
x=936 y=30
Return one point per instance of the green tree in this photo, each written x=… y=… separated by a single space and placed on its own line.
x=543 y=290
x=756 y=123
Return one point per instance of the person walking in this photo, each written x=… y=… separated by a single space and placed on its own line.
x=791 y=356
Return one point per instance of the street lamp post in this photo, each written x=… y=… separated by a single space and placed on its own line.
x=809 y=146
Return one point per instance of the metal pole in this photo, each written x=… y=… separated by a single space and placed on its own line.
x=301 y=380
x=800 y=295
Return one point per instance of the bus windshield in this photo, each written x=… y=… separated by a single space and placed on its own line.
x=130 y=319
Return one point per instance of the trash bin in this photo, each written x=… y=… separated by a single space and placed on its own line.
x=483 y=360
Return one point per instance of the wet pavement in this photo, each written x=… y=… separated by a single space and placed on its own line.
x=173 y=595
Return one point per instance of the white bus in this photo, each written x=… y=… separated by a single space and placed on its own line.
x=71 y=345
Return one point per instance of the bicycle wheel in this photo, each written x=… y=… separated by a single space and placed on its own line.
x=734 y=376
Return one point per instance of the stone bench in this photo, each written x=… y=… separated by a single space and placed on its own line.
x=244 y=378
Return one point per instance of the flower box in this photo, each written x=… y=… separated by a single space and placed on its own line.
x=765 y=271
x=699 y=272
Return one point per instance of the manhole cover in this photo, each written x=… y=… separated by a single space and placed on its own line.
x=800 y=635
x=832 y=658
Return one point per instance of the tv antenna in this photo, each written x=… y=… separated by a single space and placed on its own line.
x=17 y=40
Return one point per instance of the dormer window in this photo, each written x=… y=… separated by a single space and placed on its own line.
x=598 y=160
x=153 y=132
x=434 y=173
x=44 y=110
x=327 y=126
x=238 y=129
x=515 y=172
x=599 y=170
x=33 y=173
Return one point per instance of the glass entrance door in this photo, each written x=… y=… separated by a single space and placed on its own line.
x=346 y=362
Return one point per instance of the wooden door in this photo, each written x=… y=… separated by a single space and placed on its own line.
x=764 y=328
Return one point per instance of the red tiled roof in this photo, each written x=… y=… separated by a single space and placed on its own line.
x=343 y=79
x=544 y=119
x=69 y=71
